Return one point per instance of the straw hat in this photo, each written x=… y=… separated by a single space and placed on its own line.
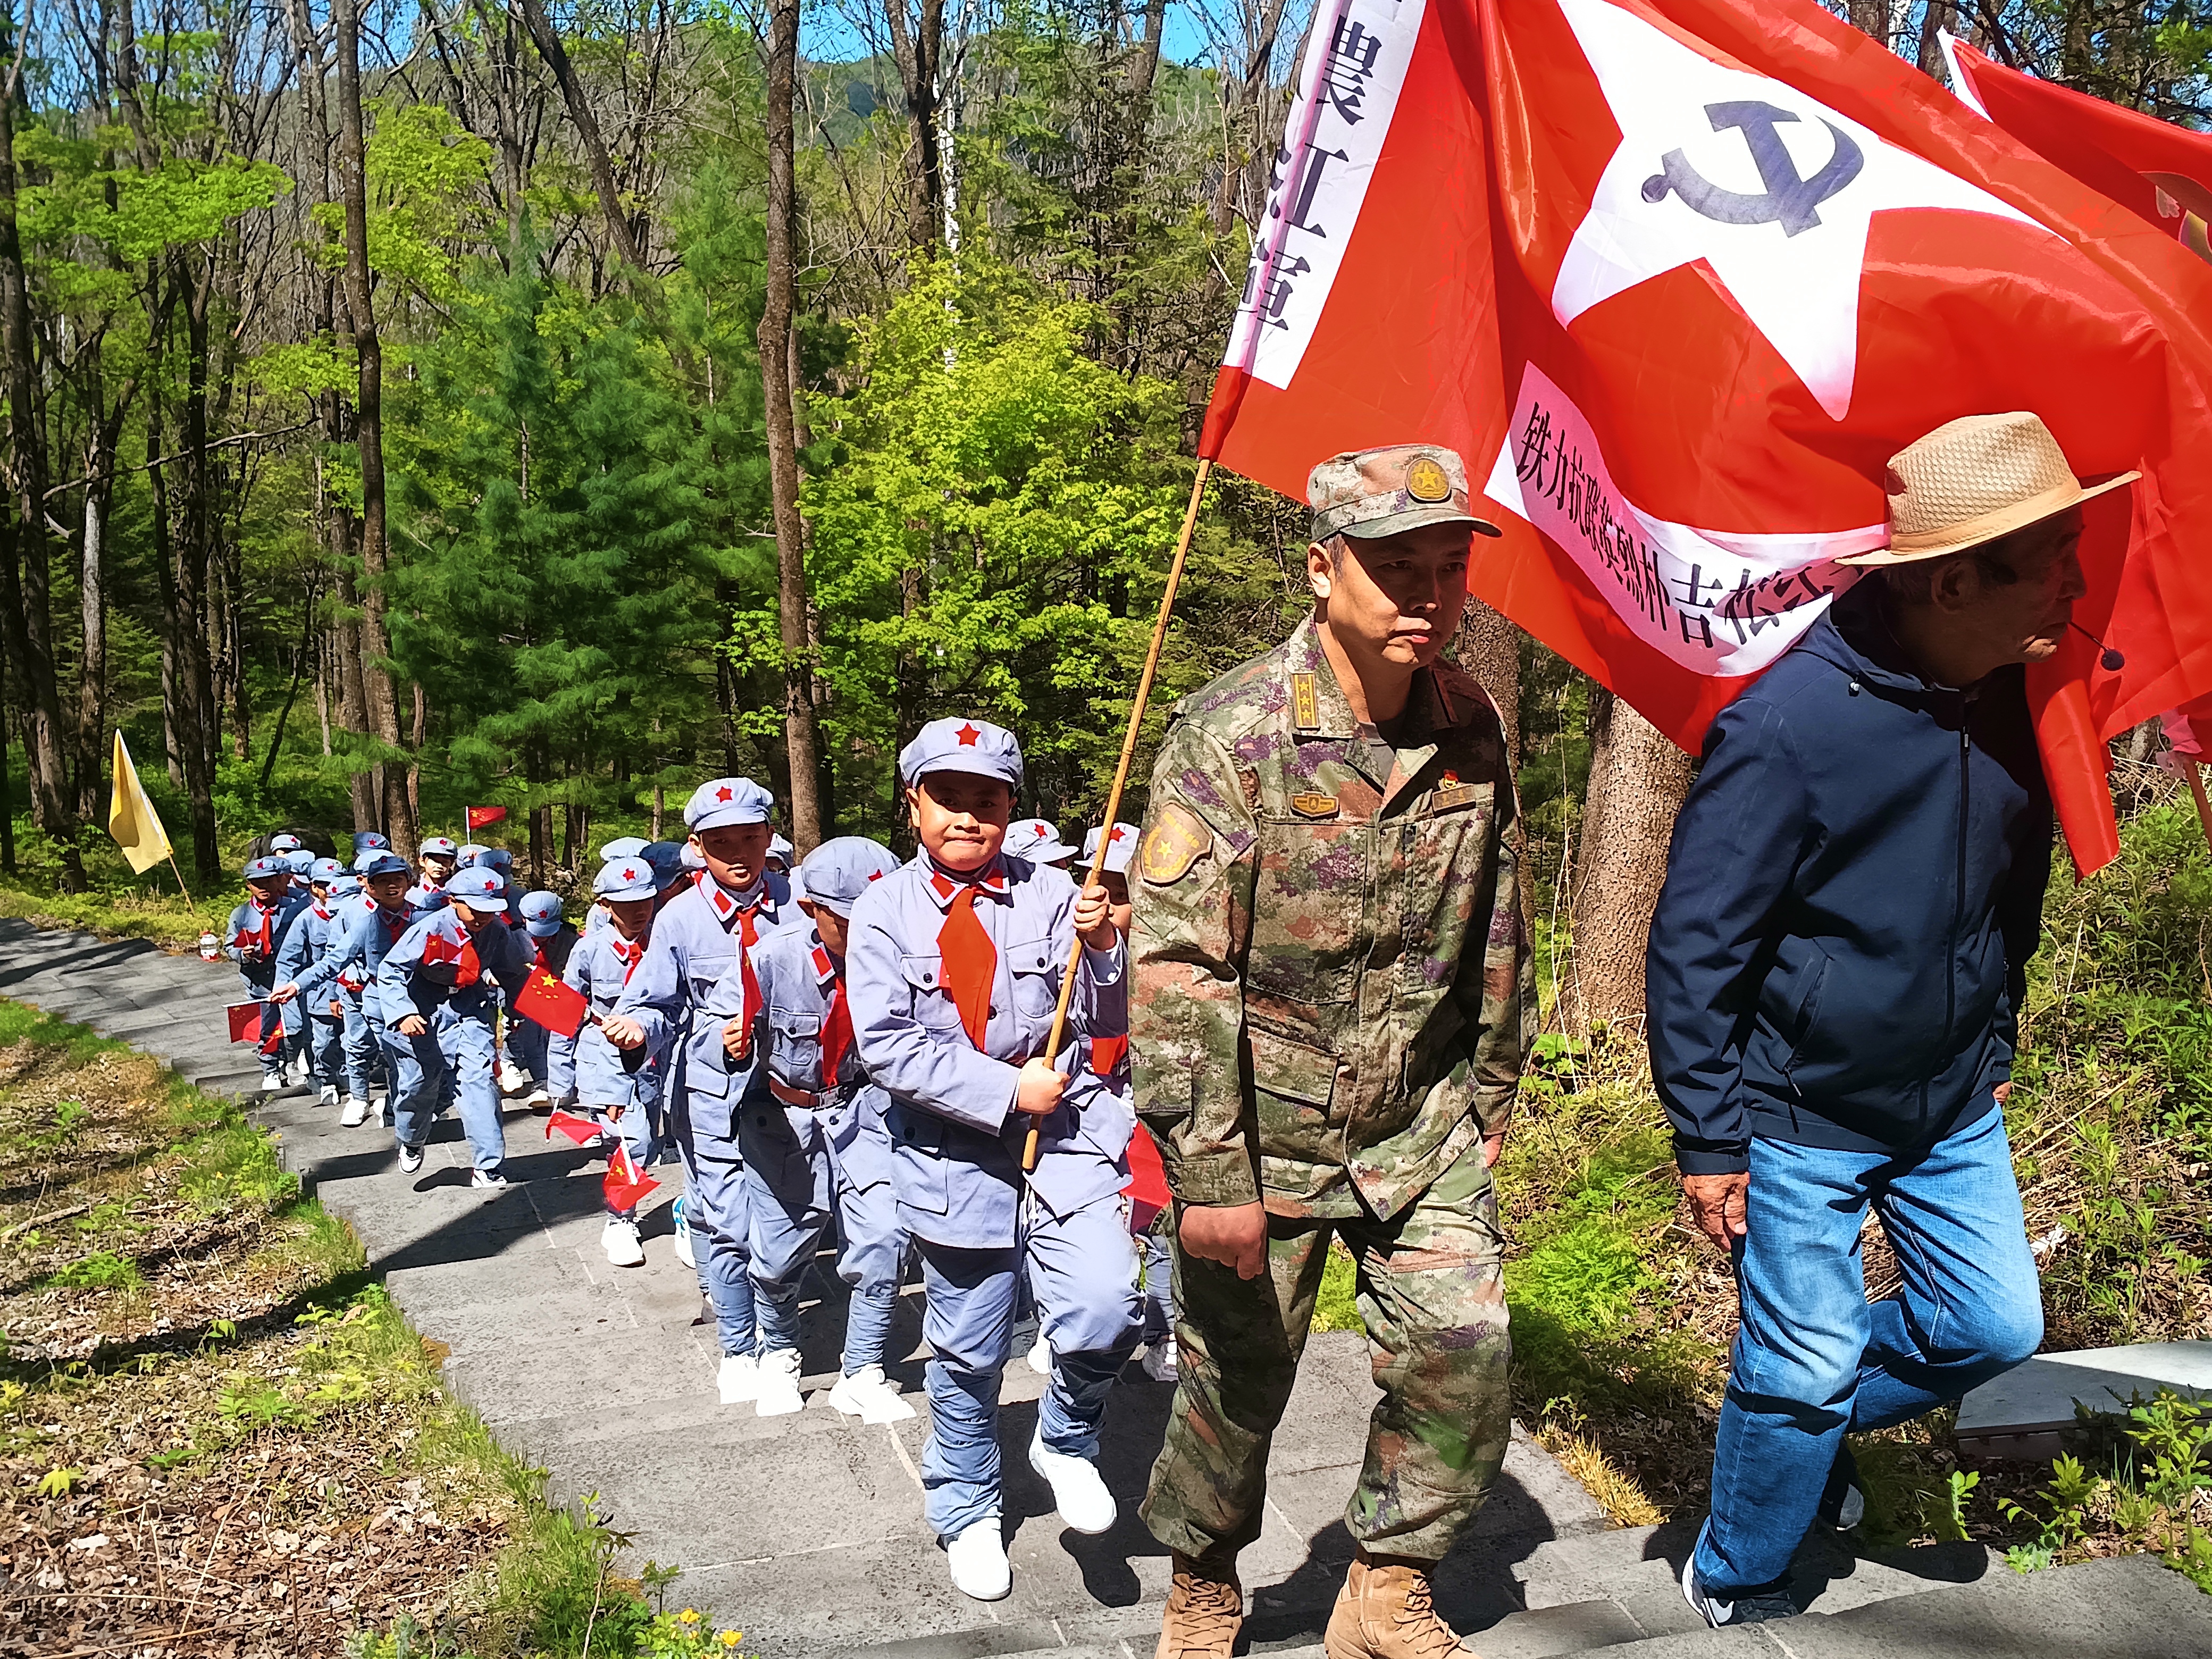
x=1973 y=480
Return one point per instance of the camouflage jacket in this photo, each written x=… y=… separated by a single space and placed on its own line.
x=1330 y=976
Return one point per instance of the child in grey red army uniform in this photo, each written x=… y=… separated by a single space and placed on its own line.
x=257 y=932
x=309 y=1024
x=955 y=964
x=619 y=1088
x=818 y=1143
x=703 y=934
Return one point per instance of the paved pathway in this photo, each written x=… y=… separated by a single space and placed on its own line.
x=806 y=1531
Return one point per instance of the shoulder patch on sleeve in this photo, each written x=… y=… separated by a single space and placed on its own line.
x=1177 y=841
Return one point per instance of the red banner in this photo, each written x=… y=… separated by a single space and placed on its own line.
x=2159 y=172
x=479 y=817
x=1677 y=278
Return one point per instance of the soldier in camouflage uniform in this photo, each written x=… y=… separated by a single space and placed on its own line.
x=1327 y=1018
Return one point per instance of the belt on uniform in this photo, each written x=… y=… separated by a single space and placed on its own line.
x=790 y=1096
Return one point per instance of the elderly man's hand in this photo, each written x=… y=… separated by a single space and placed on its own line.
x=1716 y=1202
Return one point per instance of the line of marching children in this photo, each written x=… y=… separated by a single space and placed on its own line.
x=859 y=1042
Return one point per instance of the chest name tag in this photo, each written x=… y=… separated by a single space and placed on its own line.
x=1314 y=806
x=1305 y=703
x=1459 y=796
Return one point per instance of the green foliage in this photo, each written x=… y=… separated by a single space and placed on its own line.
x=2142 y=1487
x=102 y=1270
x=1336 y=1306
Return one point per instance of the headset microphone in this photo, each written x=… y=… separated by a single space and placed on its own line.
x=2112 y=661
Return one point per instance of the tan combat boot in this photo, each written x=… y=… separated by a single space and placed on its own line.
x=1205 y=1610
x=1385 y=1612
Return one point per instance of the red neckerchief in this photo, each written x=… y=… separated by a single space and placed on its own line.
x=837 y=1023
x=747 y=919
x=1107 y=1054
x=969 y=960
x=631 y=951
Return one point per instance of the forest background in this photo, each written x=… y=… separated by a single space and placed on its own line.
x=466 y=402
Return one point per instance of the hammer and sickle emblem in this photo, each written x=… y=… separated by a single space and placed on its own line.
x=1791 y=201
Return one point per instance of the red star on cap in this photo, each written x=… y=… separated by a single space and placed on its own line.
x=629 y=874
x=723 y=793
x=967 y=734
x=1118 y=833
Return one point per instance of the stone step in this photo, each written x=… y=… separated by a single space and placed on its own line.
x=1641 y=1569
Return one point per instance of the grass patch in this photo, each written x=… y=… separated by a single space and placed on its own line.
x=140 y=910
x=216 y=1433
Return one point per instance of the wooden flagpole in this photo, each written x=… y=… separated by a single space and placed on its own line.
x=179 y=875
x=2195 y=772
x=1121 y=776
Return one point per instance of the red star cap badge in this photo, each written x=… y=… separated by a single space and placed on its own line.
x=723 y=793
x=1119 y=833
x=967 y=734
x=629 y=874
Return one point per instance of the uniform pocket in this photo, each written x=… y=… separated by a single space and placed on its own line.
x=796 y=1049
x=1444 y=854
x=1029 y=964
x=1310 y=928
x=1294 y=1084
x=921 y=1177
x=923 y=973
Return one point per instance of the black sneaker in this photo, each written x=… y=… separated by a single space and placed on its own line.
x=1843 y=1501
x=1755 y=1606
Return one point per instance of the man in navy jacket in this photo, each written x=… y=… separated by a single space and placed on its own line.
x=1836 y=970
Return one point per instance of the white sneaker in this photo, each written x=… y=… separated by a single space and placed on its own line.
x=355 y=1109
x=488 y=1180
x=1041 y=1357
x=619 y=1240
x=1085 y=1504
x=539 y=1096
x=684 y=1254
x=512 y=1079
x=326 y=1096
x=271 y=1082
x=868 y=1394
x=978 y=1560
x=779 y=1384
x=1160 y=1361
x=739 y=1378
x=410 y=1159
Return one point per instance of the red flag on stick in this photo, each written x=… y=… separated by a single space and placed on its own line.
x=245 y=1019
x=556 y=1005
x=1677 y=278
x=2158 y=171
x=581 y=1130
x=1147 y=1190
x=479 y=817
x=626 y=1186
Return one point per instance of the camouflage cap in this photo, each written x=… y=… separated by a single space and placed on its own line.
x=1380 y=492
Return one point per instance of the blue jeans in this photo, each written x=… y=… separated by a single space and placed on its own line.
x=1813 y=1359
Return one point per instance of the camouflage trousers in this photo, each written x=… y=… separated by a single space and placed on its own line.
x=1431 y=1294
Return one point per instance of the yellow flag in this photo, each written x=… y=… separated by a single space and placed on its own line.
x=132 y=819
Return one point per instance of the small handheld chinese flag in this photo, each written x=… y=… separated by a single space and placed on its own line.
x=480 y=816
x=581 y=1130
x=559 y=1007
x=626 y=1186
x=244 y=1021
x=1147 y=1190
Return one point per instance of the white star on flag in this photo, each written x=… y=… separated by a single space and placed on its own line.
x=1791 y=257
